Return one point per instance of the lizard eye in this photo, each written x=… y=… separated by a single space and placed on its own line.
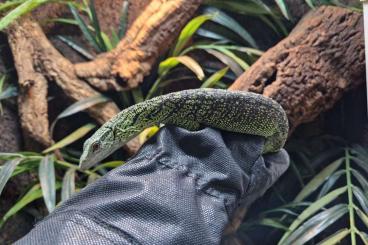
x=95 y=146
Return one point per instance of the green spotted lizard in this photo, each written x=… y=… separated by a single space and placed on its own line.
x=241 y=112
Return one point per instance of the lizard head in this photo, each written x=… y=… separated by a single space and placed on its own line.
x=100 y=145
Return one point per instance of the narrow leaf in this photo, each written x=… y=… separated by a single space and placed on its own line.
x=7 y=171
x=189 y=62
x=310 y=3
x=68 y=187
x=284 y=9
x=246 y=8
x=123 y=19
x=46 y=173
x=76 y=135
x=330 y=182
x=76 y=47
x=82 y=105
x=316 y=225
x=362 y=199
x=92 y=178
x=78 y=107
x=233 y=65
x=34 y=193
x=363 y=216
x=9 y=156
x=272 y=223
x=313 y=208
x=318 y=180
x=214 y=78
x=225 y=20
x=336 y=237
x=212 y=35
x=112 y=164
x=22 y=9
x=10 y=5
x=9 y=92
x=84 y=28
x=227 y=52
x=188 y=31
x=107 y=42
x=361 y=179
x=96 y=26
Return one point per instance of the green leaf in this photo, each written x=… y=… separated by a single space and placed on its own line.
x=272 y=223
x=78 y=107
x=361 y=179
x=107 y=41
x=65 y=21
x=242 y=7
x=84 y=28
x=363 y=236
x=137 y=95
x=230 y=54
x=34 y=193
x=188 y=32
x=318 y=180
x=76 y=135
x=313 y=208
x=281 y=210
x=330 y=182
x=361 y=163
x=363 y=216
x=7 y=171
x=336 y=237
x=233 y=65
x=189 y=62
x=68 y=186
x=96 y=26
x=46 y=174
x=123 y=19
x=284 y=9
x=8 y=156
x=22 y=9
x=10 y=5
x=316 y=225
x=82 y=105
x=92 y=178
x=212 y=35
x=112 y=164
x=362 y=199
x=310 y=3
x=225 y=20
x=212 y=80
x=9 y=92
x=76 y=47
x=2 y=80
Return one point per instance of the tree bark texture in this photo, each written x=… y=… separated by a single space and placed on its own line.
x=308 y=71
x=38 y=62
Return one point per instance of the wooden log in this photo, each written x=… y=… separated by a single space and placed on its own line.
x=309 y=71
x=150 y=35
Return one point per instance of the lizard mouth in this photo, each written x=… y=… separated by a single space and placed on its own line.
x=85 y=163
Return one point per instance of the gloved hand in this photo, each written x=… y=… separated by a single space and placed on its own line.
x=181 y=188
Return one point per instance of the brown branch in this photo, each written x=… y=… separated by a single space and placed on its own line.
x=149 y=36
x=36 y=61
x=308 y=72
x=32 y=103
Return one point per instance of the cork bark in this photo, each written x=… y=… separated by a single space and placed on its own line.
x=37 y=62
x=150 y=35
x=309 y=71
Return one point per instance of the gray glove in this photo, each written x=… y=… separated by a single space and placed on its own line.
x=181 y=188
